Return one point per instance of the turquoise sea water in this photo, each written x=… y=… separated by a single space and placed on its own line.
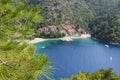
x=69 y=58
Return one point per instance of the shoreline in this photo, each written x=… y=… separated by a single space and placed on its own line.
x=110 y=43
x=68 y=38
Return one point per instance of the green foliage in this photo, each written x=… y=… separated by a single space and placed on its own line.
x=98 y=75
x=77 y=12
x=17 y=19
x=57 y=12
x=50 y=35
x=99 y=7
x=106 y=27
x=18 y=63
x=100 y=17
x=16 y=57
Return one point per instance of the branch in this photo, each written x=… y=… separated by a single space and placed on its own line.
x=5 y=63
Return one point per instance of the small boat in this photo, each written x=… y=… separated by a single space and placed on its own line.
x=111 y=58
x=43 y=47
x=106 y=45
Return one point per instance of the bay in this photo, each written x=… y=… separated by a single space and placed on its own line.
x=69 y=58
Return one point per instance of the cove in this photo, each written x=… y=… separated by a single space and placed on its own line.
x=69 y=58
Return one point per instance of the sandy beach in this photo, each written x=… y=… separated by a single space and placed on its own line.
x=68 y=38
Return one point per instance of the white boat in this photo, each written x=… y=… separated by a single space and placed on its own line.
x=106 y=45
x=43 y=47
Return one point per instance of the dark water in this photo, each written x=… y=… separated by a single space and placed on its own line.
x=86 y=55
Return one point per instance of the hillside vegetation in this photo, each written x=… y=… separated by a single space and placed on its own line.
x=20 y=21
x=86 y=14
x=98 y=75
x=107 y=27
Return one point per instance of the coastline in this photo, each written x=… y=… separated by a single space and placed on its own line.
x=110 y=43
x=68 y=38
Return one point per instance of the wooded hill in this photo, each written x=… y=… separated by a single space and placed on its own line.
x=83 y=13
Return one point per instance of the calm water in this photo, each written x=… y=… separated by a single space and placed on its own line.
x=80 y=55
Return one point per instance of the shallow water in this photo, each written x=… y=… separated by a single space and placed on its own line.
x=69 y=58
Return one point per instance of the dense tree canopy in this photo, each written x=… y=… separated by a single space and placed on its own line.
x=107 y=27
x=78 y=12
x=58 y=12
x=98 y=75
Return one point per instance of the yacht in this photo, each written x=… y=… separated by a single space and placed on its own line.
x=106 y=45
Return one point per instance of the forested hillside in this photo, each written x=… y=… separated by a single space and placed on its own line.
x=107 y=27
x=78 y=12
x=99 y=7
x=82 y=14
x=57 y=12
